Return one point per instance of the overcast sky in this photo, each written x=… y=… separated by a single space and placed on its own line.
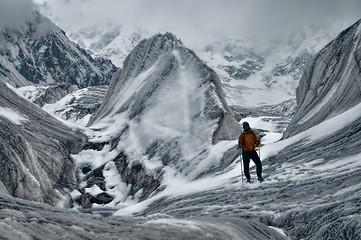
x=196 y=18
x=205 y=18
x=14 y=12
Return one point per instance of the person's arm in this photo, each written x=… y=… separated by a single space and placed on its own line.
x=256 y=140
x=240 y=142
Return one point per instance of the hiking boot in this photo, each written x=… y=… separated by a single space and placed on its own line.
x=248 y=180
x=260 y=179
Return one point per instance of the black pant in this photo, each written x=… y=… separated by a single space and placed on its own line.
x=247 y=156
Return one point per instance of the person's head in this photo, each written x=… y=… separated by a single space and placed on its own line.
x=246 y=126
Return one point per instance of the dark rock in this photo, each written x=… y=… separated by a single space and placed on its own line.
x=102 y=198
x=136 y=177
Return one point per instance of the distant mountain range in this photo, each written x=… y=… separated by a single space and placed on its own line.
x=39 y=52
x=251 y=75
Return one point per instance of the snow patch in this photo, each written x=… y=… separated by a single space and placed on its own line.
x=13 y=116
x=114 y=184
x=281 y=231
x=95 y=158
x=94 y=190
x=320 y=131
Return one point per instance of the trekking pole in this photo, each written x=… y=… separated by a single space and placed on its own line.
x=240 y=157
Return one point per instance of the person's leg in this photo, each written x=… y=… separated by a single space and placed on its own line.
x=246 y=159
x=255 y=158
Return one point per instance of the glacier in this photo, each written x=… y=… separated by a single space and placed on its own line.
x=153 y=155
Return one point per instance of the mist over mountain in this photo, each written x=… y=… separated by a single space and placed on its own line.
x=38 y=52
x=14 y=14
x=200 y=23
x=258 y=61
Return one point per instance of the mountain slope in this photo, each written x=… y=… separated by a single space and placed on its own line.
x=331 y=83
x=38 y=52
x=66 y=101
x=35 y=150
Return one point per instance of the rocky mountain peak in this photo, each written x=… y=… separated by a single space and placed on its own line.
x=150 y=65
x=164 y=112
x=149 y=50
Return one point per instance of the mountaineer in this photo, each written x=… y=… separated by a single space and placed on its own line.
x=248 y=141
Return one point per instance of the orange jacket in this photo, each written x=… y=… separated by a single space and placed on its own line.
x=248 y=141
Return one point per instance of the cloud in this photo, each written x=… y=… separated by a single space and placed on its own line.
x=198 y=20
x=14 y=13
x=281 y=15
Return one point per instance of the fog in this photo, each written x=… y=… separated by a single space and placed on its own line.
x=14 y=13
x=194 y=21
x=207 y=14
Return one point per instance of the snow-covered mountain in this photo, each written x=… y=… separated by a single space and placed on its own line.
x=261 y=72
x=253 y=77
x=38 y=52
x=331 y=83
x=252 y=74
x=164 y=114
x=112 y=42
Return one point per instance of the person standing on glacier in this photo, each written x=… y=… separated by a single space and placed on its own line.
x=248 y=141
